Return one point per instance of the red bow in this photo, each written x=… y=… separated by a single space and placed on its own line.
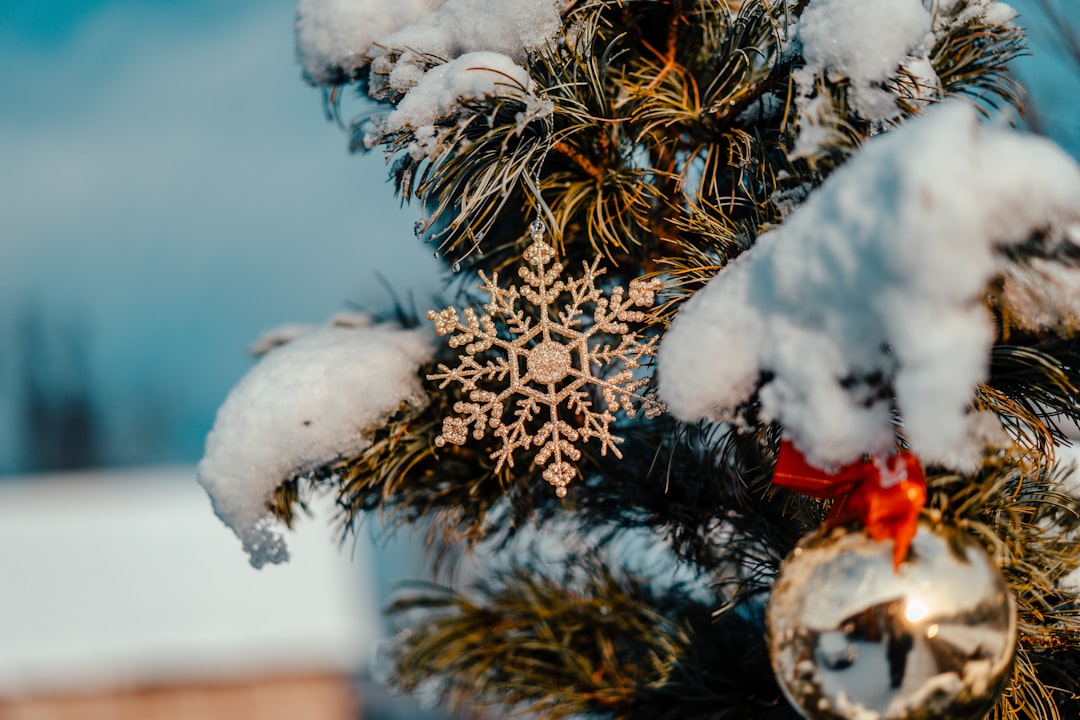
x=886 y=494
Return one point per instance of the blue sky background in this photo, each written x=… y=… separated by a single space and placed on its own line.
x=170 y=187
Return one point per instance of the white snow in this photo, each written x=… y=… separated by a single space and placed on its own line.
x=865 y=41
x=508 y=27
x=882 y=271
x=122 y=578
x=333 y=37
x=815 y=126
x=403 y=38
x=282 y=334
x=429 y=54
x=881 y=47
x=278 y=336
x=440 y=92
x=306 y=403
x=990 y=12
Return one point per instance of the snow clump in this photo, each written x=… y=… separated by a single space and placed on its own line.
x=443 y=88
x=508 y=27
x=878 y=282
x=333 y=37
x=306 y=403
x=882 y=48
x=864 y=41
x=427 y=57
x=401 y=39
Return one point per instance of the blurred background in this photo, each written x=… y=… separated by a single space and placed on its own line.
x=169 y=189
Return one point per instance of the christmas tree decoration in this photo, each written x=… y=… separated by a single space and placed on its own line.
x=869 y=297
x=885 y=494
x=852 y=638
x=547 y=367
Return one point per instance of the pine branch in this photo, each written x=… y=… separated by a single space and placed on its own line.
x=667 y=149
x=705 y=490
x=973 y=58
x=1029 y=524
x=1033 y=388
x=587 y=643
x=591 y=169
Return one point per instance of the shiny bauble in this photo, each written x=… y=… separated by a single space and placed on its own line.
x=852 y=638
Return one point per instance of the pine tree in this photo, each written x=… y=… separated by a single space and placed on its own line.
x=600 y=417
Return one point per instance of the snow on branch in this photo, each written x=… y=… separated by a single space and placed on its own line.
x=400 y=40
x=882 y=50
x=869 y=301
x=865 y=41
x=439 y=94
x=306 y=403
x=428 y=57
x=334 y=37
x=508 y=27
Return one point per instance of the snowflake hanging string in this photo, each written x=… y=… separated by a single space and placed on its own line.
x=549 y=367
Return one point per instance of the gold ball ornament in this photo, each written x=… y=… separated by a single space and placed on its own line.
x=850 y=638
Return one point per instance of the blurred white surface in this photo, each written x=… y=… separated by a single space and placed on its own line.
x=119 y=578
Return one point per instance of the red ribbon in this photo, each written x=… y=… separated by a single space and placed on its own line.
x=886 y=494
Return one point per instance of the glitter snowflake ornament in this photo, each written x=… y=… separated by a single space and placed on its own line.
x=550 y=363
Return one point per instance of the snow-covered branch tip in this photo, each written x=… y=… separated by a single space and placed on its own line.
x=312 y=399
x=884 y=51
x=396 y=43
x=871 y=298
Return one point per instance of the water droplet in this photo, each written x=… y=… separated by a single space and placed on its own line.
x=418 y=228
x=436 y=254
x=457 y=267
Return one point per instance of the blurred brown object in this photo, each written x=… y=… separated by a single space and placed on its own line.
x=324 y=696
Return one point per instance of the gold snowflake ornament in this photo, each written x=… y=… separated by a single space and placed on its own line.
x=550 y=369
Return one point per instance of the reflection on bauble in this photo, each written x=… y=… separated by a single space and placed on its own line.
x=852 y=638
